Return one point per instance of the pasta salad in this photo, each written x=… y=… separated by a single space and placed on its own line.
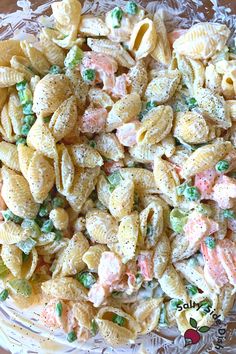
x=118 y=173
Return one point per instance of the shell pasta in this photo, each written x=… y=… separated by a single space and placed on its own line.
x=117 y=174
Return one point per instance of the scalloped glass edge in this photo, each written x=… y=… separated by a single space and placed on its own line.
x=20 y=330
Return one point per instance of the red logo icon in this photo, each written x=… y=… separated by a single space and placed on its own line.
x=192 y=336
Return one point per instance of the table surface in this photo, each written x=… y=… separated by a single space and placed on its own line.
x=10 y=6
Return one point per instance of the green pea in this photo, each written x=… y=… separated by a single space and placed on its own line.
x=27 y=108
x=181 y=188
x=21 y=85
x=151 y=104
x=86 y=279
x=229 y=214
x=89 y=75
x=47 y=226
x=29 y=119
x=21 y=141
x=58 y=202
x=120 y=320
x=55 y=69
x=25 y=129
x=116 y=15
x=191 y=102
x=131 y=8
x=222 y=166
x=74 y=57
x=174 y=303
x=94 y=327
x=192 y=289
x=192 y=194
x=92 y=143
x=71 y=337
x=59 y=309
x=210 y=242
x=4 y=295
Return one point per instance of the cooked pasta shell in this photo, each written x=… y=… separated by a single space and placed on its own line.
x=84 y=313
x=85 y=156
x=109 y=146
x=122 y=199
x=202 y=40
x=55 y=55
x=112 y=332
x=15 y=112
x=29 y=266
x=9 y=155
x=9 y=48
x=192 y=72
x=64 y=118
x=111 y=48
x=92 y=256
x=231 y=108
x=93 y=26
x=9 y=76
x=17 y=196
x=228 y=85
x=83 y=185
x=67 y=15
x=64 y=288
x=22 y=65
x=52 y=247
x=50 y=92
x=151 y=224
x=101 y=226
x=226 y=300
x=12 y=258
x=156 y=125
x=163 y=86
x=6 y=126
x=11 y=233
x=147 y=314
x=145 y=153
x=166 y=179
x=3 y=96
x=194 y=275
x=138 y=78
x=40 y=176
x=39 y=62
x=205 y=158
x=148 y=198
x=123 y=111
x=143 y=179
x=100 y=98
x=191 y=127
x=60 y=218
x=162 y=51
x=143 y=38
x=79 y=87
x=181 y=248
x=172 y=284
x=127 y=236
x=213 y=79
x=103 y=190
x=40 y=138
x=33 y=82
x=70 y=259
x=214 y=107
x=161 y=256
x=64 y=170
x=25 y=155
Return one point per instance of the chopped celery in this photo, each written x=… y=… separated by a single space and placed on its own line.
x=177 y=220
x=27 y=245
x=20 y=287
x=74 y=57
